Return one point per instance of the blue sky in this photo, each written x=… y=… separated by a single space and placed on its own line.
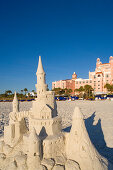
x=69 y=35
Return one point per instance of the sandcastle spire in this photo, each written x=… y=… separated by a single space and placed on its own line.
x=40 y=67
x=15 y=103
x=77 y=114
x=41 y=84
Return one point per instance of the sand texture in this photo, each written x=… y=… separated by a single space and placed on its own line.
x=98 y=117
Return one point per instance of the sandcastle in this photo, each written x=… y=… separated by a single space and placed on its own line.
x=43 y=145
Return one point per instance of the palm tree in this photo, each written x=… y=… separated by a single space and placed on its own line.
x=109 y=87
x=33 y=91
x=25 y=90
x=22 y=91
x=57 y=91
x=8 y=92
x=67 y=91
x=80 y=90
x=88 y=90
x=29 y=94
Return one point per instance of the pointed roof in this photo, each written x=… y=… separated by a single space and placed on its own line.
x=15 y=97
x=77 y=114
x=40 y=67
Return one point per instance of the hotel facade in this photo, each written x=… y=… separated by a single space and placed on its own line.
x=102 y=75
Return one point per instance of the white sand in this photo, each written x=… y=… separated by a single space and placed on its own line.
x=98 y=117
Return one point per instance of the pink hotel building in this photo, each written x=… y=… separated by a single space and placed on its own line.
x=103 y=74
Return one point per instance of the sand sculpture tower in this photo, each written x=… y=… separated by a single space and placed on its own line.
x=17 y=127
x=41 y=86
x=44 y=114
x=45 y=146
x=15 y=104
x=44 y=123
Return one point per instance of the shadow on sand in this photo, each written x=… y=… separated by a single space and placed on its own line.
x=97 y=138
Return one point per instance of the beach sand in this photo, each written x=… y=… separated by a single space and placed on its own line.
x=98 y=117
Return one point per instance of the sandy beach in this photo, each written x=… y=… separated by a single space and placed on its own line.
x=98 y=117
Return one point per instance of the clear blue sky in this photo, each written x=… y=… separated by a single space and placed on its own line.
x=68 y=34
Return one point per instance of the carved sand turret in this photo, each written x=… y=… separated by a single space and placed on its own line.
x=34 y=143
x=43 y=145
x=15 y=104
x=41 y=86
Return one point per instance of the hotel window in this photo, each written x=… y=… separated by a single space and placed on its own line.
x=98 y=88
x=94 y=76
x=99 y=75
x=98 y=81
x=107 y=75
x=98 y=84
x=80 y=82
x=77 y=82
x=86 y=81
x=90 y=81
